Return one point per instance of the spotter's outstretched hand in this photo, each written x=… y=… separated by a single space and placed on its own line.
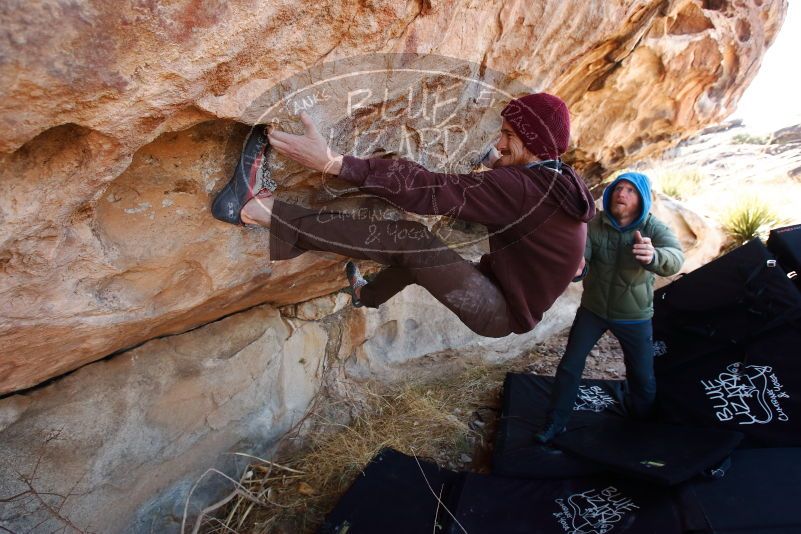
x=309 y=149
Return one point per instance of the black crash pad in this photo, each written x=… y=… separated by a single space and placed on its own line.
x=492 y=504
x=722 y=305
x=759 y=493
x=525 y=401
x=755 y=390
x=659 y=453
x=785 y=243
x=395 y=493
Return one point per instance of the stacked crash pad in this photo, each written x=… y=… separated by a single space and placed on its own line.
x=728 y=339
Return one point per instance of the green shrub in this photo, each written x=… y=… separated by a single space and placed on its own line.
x=748 y=139
x=749 y=218
x=680 y=184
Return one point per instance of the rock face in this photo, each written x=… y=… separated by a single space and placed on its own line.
x=116 y=433
x=119 y=126
x=118 y=445
x=735 y=166
x=787 y=139
x=702 y=239
x=681 y=72
x=125 y=444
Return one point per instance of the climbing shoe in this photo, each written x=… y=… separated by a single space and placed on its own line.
x=355 y=281
x=251 y=176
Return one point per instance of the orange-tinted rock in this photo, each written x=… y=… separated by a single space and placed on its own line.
x=118 y=127
x=142 y=259
x=167 y=411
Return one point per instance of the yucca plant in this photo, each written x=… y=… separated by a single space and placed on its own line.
x=680 y=184
x=749 y=218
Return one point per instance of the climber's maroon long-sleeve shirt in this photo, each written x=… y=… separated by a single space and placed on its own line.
x=536 y=220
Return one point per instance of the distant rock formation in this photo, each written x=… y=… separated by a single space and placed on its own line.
x=787 y=138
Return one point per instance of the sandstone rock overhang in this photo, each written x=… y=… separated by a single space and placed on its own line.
x=118 y=127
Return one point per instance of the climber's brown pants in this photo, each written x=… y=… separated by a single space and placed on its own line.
x=414 y=256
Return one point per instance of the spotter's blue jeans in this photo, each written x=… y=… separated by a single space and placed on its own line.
x=636 y=340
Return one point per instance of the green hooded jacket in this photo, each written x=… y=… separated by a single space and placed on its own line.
x=617 y=287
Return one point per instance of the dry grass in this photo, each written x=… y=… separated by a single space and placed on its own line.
x=750 y=139
x=439 y=419
x=429 y=419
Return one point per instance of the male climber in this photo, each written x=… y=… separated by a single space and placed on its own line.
x=626 y=246
x=534 y=206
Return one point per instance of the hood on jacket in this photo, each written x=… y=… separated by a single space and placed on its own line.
x=643 y=186
x=569 y=189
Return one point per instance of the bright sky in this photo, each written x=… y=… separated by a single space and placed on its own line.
x=773 y=100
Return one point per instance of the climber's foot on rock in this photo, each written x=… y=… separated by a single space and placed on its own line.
x=251 y=176
x=355 y=282
x=258 y=210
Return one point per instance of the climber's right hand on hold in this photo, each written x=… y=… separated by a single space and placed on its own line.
x=309 y=149
x=491 y=157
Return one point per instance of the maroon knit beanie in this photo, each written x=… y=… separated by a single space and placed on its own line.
x=542 y=122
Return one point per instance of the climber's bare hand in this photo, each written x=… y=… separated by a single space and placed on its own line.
x=309 y=149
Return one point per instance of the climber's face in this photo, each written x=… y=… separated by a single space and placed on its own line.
x=512 y=149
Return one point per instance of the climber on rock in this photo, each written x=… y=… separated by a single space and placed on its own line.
x=535 y=208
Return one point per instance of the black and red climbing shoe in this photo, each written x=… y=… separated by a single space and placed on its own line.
x=251 y=176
